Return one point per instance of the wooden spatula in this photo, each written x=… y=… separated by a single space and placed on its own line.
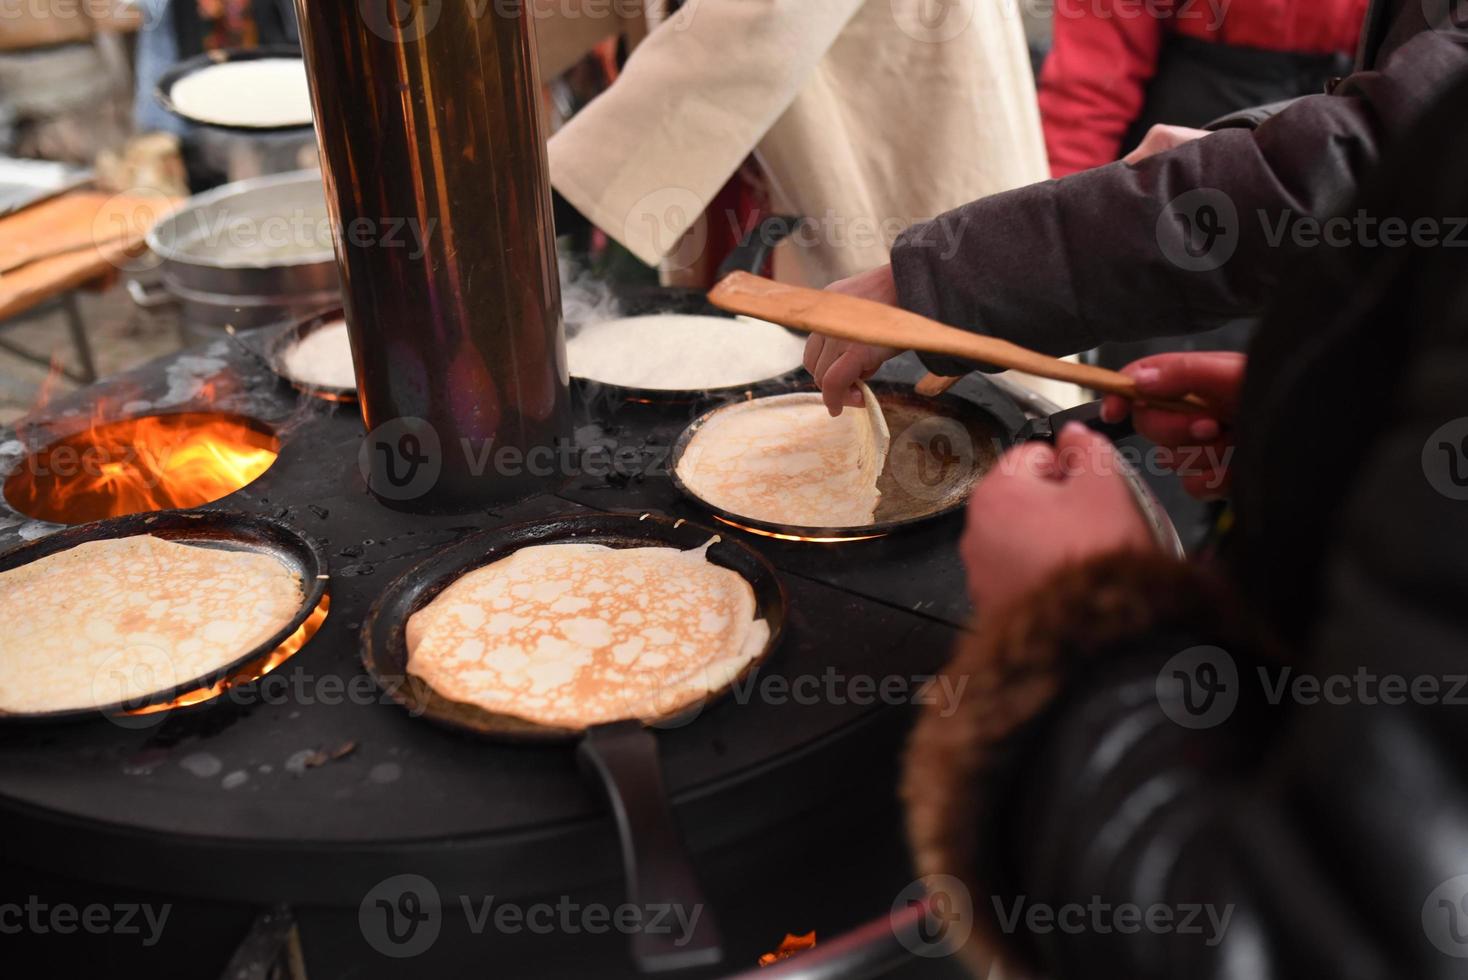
x=850 y=318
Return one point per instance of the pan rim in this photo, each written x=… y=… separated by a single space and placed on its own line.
x=874 y=530
x=183 y=526
x=292 y=333
x=177 y=72
x=420 y=584
x=685 y=396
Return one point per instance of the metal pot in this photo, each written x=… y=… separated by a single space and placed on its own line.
x=247 y=254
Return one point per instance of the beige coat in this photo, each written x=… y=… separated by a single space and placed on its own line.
x=864 y=115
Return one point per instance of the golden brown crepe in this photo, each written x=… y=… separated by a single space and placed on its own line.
x=120 y=619
x=784 y=460
x=574 y=635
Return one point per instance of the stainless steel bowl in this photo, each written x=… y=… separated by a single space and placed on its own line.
x=247 y=254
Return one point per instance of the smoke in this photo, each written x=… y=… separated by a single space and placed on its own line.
x=585 y=298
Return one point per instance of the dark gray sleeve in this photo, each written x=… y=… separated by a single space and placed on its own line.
x=1183 y=242
x=1251 y=118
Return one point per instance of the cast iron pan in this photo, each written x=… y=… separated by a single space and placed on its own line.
x=940 y=448
x=749 y=256
x=273 y=348
x=164 y=89
x=205 y=528
x=622 y=755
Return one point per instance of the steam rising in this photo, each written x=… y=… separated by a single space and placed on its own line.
x=585 y=298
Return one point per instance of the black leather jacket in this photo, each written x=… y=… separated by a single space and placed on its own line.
x=1273 y=752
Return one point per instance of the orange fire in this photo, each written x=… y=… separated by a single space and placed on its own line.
x=157 y=462
x=254 y=670
x=788 y=947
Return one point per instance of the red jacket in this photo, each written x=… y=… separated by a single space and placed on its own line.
x=1105 y=53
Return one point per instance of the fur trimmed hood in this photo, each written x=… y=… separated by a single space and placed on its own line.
x=1016 y=665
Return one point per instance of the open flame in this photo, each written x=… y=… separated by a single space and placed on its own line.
x=254 y=670
x=156 y=462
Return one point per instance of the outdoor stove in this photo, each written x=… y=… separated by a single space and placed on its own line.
x=308 y=788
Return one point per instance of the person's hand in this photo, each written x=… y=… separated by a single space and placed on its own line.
x=837 y=365
x=1160 y=139
x=1199 y=447
x=1045 y=507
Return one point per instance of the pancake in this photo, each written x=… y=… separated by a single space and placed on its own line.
x=784 y=460
x=263 y=93
x=674 y=352
x=322 y=357
x=574 y=635
x=120 y=619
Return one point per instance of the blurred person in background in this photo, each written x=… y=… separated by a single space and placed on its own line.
x=1136 y=79
x=838 y=104
x=1117 y=69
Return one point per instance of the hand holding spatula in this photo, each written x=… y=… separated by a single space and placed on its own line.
x=863 y=321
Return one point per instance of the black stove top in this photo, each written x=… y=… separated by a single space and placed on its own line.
x=310 y=787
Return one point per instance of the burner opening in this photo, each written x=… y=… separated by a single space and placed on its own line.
x=132 y=466
x=252 y=671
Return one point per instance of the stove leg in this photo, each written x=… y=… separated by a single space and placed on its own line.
x=271 y=950
x=87 y=369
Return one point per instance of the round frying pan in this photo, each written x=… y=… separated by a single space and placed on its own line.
x=162 y=92
x=940 y=448
x=275 y=346
x=623 y=756
x=749 y=255
x=206 y=529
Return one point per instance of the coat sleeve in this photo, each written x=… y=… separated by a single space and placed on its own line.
x=647 y=156
x=1094 y=82
x=1130 y=747
x=1182 y=242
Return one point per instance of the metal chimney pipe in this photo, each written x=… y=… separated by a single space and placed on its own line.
x=434 y=160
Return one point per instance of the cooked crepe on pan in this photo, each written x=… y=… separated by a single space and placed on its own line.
x=574 y=635
x=784 y=460
x=265 y=92
x=120 y=619
x=675 y=352
x=322 y=357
